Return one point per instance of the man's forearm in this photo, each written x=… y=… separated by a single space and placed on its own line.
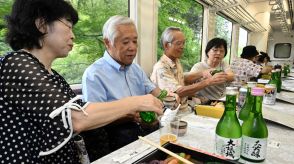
x=190 y=90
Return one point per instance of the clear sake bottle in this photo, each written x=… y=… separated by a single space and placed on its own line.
x=228 y=129
x=245 y=110
x=254 y=131
x=149 y=117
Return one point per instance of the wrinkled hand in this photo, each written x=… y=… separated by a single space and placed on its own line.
x=148 y=103
x=176 y=96
x=218 y=78
x=137 y=117
x=206 y=74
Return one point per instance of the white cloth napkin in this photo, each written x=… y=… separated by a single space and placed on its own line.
x=169 y=115
x=128 y=154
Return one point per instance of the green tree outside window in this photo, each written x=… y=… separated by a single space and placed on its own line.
x=188 y=15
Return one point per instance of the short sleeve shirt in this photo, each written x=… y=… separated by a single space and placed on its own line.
x=210 y=92
x=28 y=94
x=169 y=75
x=244 y=69
x=103 y=81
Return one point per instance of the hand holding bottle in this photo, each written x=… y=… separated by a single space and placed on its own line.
x=148 y=103
x=148 y=116
x=218 y=78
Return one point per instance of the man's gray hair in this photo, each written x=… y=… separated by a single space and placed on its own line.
x=110 y=27
x=166 y=36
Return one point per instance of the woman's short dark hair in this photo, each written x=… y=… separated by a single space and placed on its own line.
x=263 y=56
x=217 y=43
x=249 y=52
x=22 y=30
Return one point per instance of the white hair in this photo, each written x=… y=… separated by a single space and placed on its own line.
x=110 y=26
x=166 y=36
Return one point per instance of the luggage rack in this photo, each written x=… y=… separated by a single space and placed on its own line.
x=234 y=9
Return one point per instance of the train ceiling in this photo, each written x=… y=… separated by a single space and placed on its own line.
x=281 y=13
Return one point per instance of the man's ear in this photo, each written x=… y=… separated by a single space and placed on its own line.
x=41 y=25
x=166 y=45
x=107 y=43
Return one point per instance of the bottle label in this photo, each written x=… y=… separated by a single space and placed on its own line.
x=228 y=147
x=270 y=94
x=241 y=97
x=254 y=148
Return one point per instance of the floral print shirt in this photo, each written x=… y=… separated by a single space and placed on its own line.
x=169 y=75
x=244 y=69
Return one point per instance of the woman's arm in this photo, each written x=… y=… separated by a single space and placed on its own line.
x=100 y=114
x=190 y=90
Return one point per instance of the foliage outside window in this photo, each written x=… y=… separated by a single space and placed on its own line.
x=188 y=15
x=88 y=43
x=242 y=40
x=223 y=29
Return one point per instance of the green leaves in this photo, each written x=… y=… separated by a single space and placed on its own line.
x=187 y=15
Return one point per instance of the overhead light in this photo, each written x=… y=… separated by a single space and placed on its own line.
x=275 y=7
x=272 y=2
x=278 y=8
x=285 y=5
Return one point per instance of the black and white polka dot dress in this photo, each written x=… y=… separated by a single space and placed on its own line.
x=28 y=94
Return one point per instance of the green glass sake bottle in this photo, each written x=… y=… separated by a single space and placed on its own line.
x=149 y=117
x=274 y=78
x=245 y=110
x=228 y=130
x=279 y=79
x=286 y=70
x=254 y=130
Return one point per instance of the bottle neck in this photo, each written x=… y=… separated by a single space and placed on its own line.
x=249 y=97
x=162 y=95
x=273 y=76
x=257 y=105
x=278 y=75
x=230 y=103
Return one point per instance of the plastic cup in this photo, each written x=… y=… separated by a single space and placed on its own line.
x=168 y=128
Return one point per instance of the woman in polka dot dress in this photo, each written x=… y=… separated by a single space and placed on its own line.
x=39 y=112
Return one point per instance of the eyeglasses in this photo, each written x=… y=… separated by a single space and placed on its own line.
x=67 y=24
x=178 y=43
x=221 y=50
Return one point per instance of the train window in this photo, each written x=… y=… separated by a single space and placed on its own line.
x=242 y=40
x=88 y=45
x=282 y=50
x=5 y=7
x=223 y=29
x=188 y=15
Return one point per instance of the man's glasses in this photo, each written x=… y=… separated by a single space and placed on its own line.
x=178 y=43
x=67 y=24
x=215 y=50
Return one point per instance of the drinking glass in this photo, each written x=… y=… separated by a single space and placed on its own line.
x=168 y=128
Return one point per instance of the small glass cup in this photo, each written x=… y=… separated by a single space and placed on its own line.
x=168 y=128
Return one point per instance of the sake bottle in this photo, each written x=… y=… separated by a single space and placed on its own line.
x=286 y=70
x=254 y=131
x=228 y=130
x=244 y=112
x=279 y=79
x=274 y=78
x=149 y=117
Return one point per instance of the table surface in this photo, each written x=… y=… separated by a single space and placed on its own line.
x=201 y=135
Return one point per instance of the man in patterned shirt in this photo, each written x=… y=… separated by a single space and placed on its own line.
x=168 y=72
x=245 y=68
